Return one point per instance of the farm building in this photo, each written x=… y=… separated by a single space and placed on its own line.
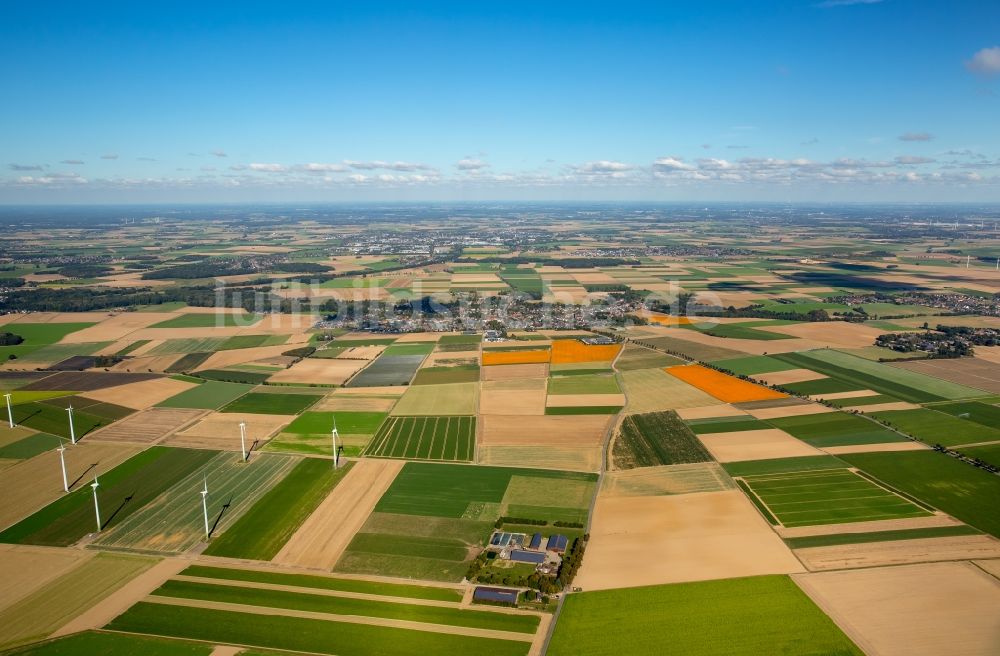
x=495 y=595
x=597 y=341
x=503 y=540
x=536 y=541
x=557 y=543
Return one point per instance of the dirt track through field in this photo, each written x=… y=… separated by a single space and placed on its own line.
x=868 y=527
x=322 y=538
x=352 y=619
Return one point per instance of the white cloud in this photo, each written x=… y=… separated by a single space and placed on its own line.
x=910 y=160
x=391 y=166
x=471 y=164
x=603 y=166
x=26 y=167
x=268 y=168
x=316 y=167
x=985 y=62
x=671 y=164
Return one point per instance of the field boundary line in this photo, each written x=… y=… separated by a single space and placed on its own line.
x=426 y=627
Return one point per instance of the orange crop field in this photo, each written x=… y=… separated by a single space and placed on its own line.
x=667 y=320
x=722 y=386
x=537 y=356
x=571 y=350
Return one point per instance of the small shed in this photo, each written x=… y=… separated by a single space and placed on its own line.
x=495 y=595
x=557 y=543
x=536 y=541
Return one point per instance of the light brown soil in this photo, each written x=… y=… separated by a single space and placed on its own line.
x=550 y=430
x=451 y=358
x=147 y=426
x=37 y=482
x=124 y=597
x=912 y=610
x=322 y=538
x=846 y=395
x=899 y=552
x=790 y=411
x=26 y=568
x=832 y=333
x=879 y=407
x=582 y=400
x=788 y=377
x=355 y=403
x=143 y=394
x=653 y=390
x=228 y=358
x=667 y=479
x=512 y=402
x=361 y=353
x=585 y=459
x=756 y=445
x=155 y=363
x=515 y=371
x=388 y=390
x=867 y=448
x=320 y=370
x=977 y=372
x=221 y=430
x=868 y=527
x=115 y=327
x=991 y=566
x=639 y=541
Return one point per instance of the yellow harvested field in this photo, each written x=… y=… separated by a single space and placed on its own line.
x=354 y=403
x=868 y=448
x=756 y=445
x=652 y=390
x=418 y=337
x=797 y=410
x=547 y=430
x=323 y=371
x=515 y=372
x=928 y=521
x=788 y=377
x=499 y=401
x=879 y=407
x=899 y=552
x=833 y=333
x=26 y=568
x=11 y=435
x=361 y=352
x=694 y=537
x=389 y=390
x=37 y=482
x=711 y=412
x=39 y=614
x=115 y=327
x=446 y=399
x=147 y=426
x=666 y=479
x=322 y=538
x=143 y=394
x=584 y=459
x=855 y=394
x=221 y=430
x=228 y=358
x=903 y=611
x=991 y=566
x=582 y=400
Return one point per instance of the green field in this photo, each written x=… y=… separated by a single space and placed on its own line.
x=935 y=427
x=425 y=438
x=321 y=423
x=743 y=330
x=271 y=404
x=316 y=603
x=411 y=348
x=828 y=497
x=879 y=536
x=583 y=410
x=835 y=429
x=60 y=352
x=123 y=491
x=292 y=633
x=900 y=383
x=656 y=438
x=37 y=335
x=92 y=643
x=727 y=425
x=431 y=400
x=975 y=411
x=208 y=320
x=187 y=345
x=584 y=384
x=760 y=615
x=987 y=453
x=327 y=583
x=461 y=339
x=265 y=528
x=173 y=522
x=100 y=409
x=207 y=396
x=468 y=373
x=753 y=364
x=53 y=419
x=235 y=376
x=188 y=362
x=29 y=447
x=950 y=485
x=782 y=465
x=252 y=341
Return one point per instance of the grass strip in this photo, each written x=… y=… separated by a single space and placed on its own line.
x=879 y=536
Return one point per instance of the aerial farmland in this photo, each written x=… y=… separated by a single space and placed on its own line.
x=565 y=436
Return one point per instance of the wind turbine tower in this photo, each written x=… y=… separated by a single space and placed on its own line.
x=243 y=440
x=10 y=413
x=72 y=431
x=97 y=507
x=336 y=454
x=62 y=461
x=204 y=505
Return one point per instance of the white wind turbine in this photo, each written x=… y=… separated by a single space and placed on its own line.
x=97 y=507
x=204 y=504
x=72 y=431
x=243 y=440
x=62 y=461
x=334 y=434
x=10 y=413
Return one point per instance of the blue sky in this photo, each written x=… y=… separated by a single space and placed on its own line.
x=829 y=101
